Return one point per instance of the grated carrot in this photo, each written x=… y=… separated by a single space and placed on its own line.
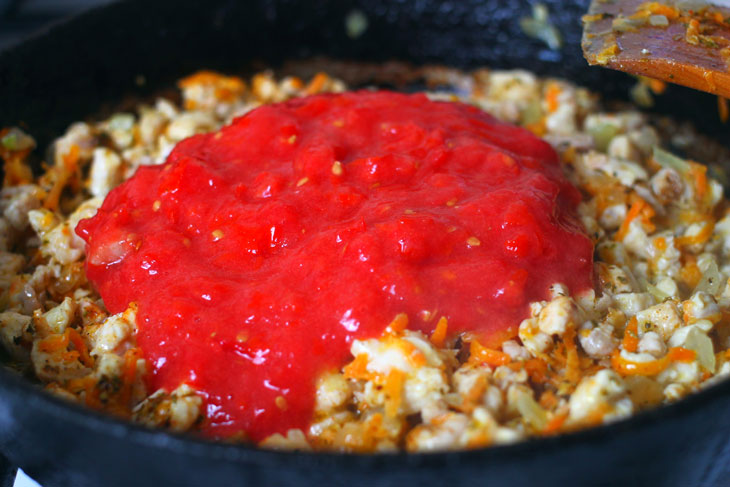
x=548 y=400
x=479 y=354
x=393 y=390
x=630 y=342
x=572 y=359
x=472 y=398
x=555 y=424
x=699 y=175
x=660 y=243
x=53 y=343
x=690 y=273
x=316 y=84
x=399 y=323
x=681 y=354
x=357 y=369
x=80 y=346
x=538 y=128
x=551 y=97
x=438 y=337
x=633 y=212
x=63 y=173
x=93 y=399
x=653 y=367
x=129 y=374
x=537 y=370
x=700 y=238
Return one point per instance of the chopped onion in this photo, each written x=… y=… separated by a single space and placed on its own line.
x=641 y=95
x=528 y=408
x=702 y=346
x=659 y=20
x=655 y=291
x=539 y=27
x=602 y=135
x=121 y=121
x=667 y=159
x=532 y=113
x=711 y=281
x=17 y=140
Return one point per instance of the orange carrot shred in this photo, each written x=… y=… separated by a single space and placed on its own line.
x=630 y=342
x=357 y=369
x=63 y=173
x=555 y=424
x=399 y=323
x=480 y=354
x=572 y=359
x=681 y=354
x=551 y=97
x=438 y=337
x=53 y=343
x=80 y=346
x=393 y=390
x=634 y=211
x=699 y=173
x=537 y=370
x=653 y=367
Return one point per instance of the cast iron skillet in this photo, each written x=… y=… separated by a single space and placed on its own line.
x=97 y=58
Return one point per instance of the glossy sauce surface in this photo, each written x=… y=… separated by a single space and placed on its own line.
x=258 y=253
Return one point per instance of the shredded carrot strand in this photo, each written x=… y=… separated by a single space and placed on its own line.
x=537 y=370
x=630 y=342
x=53 y=343
x=634 y=211
x=63 y=173
x=393 y=390
x=129 y=373
x=572 y=359
x=438 y=337
x=681 y=354
x=700 y=238
x=555 y=424
x=653 y=367
x=80 y=346
x=480 y=354
x=690 y=273
x=699 y=174
x=357 y=369
x=399 y=323
x=316 y=84
x=551 y=97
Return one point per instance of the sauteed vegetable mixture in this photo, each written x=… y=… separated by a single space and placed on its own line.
x=430 y=363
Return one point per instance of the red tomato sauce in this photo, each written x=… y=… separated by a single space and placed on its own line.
x=257 y=254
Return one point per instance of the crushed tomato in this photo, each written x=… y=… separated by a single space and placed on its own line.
x=257 y=254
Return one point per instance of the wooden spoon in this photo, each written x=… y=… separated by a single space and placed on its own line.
x=676 y=42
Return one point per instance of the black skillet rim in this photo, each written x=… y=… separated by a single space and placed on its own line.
x=189 y=444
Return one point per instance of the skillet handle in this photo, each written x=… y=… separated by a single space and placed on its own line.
x=7 y=472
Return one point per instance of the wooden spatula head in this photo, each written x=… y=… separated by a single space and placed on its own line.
x=687 y=43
